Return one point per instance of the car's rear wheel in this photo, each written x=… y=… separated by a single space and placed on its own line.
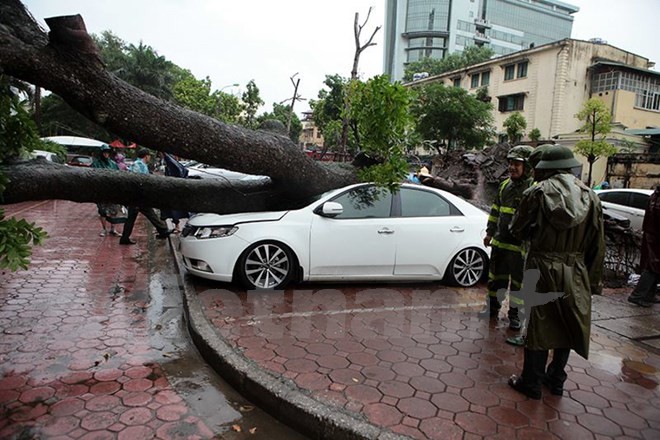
x=266 y=265
x=467 y=267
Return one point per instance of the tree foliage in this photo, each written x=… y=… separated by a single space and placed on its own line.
x=252 y=102
x=381 y=113
x=595 y=118
x=515 y=126
x=328 y=110
x=17 y=133
x=452 y=116
x=281 y=113
x=434 y=66
x=534 y=134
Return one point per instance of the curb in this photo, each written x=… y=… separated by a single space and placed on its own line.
x=278 y=396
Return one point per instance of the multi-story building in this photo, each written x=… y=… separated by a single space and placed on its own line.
x=549 y=85
x=311 y=137
x=417 y=29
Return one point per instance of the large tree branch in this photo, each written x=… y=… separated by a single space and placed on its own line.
x=42 y=180
x=66 y=63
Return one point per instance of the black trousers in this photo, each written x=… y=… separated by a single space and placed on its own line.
x=534 y=372
x=647 y=286
x=149 y=213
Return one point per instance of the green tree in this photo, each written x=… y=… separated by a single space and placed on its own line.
x=380 y=111
x=535 y=134
x=434 y=66
x=17 y=133
x=329 y=108
x=595 y=118
x=252 y=102
x=515 y=126
x=452 y=116
x=281 y=113
x=148 y=71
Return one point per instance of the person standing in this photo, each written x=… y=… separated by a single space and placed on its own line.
x=109 y=213
x=647 y=286
x=562 y=221
x=506 y=261
x=140 y=167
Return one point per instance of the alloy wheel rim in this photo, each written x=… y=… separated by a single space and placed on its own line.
x=468 y=267
x=266 y=266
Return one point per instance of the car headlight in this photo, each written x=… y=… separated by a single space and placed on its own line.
x=215 y=231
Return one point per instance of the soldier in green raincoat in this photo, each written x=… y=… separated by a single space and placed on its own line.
x=562 y=220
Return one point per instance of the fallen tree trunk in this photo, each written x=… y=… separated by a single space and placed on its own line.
x=66 y=62
x=42 y=180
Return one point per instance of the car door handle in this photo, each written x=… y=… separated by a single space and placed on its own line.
x=457 y=229
x=386 y=231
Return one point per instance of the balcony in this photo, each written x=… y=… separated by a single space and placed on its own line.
x=482 y=23
x=480 y=37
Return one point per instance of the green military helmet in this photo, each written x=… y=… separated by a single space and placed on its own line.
x=557 y=157
x=520 y=153
x=535 y=157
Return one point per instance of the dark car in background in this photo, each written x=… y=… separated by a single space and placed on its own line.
x=79 y=160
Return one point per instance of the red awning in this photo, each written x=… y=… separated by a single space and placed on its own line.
x=117 y=144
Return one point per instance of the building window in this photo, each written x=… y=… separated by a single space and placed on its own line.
x=511 y=103
x=509 y=72
x=645 y=87
x=485 y=78
x=457 y=81
x=522 y=69
x=474 y=83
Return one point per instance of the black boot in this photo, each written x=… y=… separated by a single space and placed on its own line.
x=514 y=319
x=491 y=309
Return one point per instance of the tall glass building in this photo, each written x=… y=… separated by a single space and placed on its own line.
x=416 y=29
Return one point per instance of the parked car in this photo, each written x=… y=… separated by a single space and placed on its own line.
x=202 y=171
x=79 y=160
x=355 y=233
x=630 y=203
x=48 y=155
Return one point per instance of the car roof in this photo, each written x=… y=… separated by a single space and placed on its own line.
x=648 y=192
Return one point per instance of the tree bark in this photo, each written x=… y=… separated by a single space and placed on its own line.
x=66 y=62
x=42 y=180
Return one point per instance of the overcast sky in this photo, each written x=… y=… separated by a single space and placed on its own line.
x=269 y=41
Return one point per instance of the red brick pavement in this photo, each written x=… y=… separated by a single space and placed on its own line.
x=416 y=359
x=75 y=356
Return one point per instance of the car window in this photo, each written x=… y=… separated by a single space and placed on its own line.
x=365 y=202
x=419 y=203
x=639 y=201
x=618 y=197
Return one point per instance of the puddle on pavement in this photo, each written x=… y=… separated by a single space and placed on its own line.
x=639 y=367
x=221 y=407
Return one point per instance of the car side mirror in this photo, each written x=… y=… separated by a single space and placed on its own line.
x=330 y=209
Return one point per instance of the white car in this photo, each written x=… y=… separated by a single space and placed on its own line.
x=198 y=170
x=630 y=203
x=355 y=233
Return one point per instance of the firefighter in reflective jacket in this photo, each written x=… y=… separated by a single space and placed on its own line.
x=507 y=260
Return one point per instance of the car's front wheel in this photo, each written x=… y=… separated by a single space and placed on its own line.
x=467 y=268
x=266 y=265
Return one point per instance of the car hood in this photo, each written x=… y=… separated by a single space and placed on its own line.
x=232 y=219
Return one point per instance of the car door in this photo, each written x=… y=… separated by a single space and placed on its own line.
x=359 y=242
x=429 y=230
x=617 y=202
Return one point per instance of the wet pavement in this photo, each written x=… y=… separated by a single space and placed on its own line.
x=93 y=344
x=416 y=360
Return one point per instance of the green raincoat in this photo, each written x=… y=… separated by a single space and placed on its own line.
x=562 y=221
